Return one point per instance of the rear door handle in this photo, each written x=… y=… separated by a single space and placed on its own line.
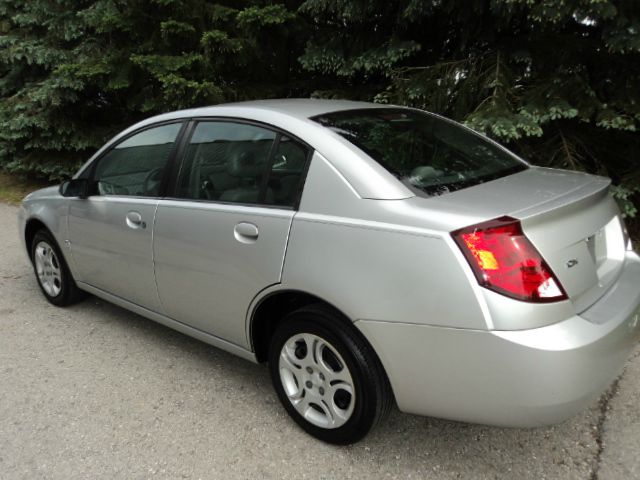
x=245 y=232
x=134 y=220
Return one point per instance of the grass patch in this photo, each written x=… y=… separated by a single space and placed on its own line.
x=13 y=188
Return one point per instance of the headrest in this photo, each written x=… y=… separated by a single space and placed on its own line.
x=246 y=161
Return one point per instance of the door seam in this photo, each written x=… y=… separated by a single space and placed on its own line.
x=153 y=257
x=286 y=246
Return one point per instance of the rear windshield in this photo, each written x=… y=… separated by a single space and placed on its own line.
x=428 y=153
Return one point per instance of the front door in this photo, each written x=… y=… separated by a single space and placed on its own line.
x=223 y=238
x=110 y=232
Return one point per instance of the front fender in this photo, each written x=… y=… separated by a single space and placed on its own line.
x=48 y=208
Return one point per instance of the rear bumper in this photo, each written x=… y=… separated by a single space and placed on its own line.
x=512 y=378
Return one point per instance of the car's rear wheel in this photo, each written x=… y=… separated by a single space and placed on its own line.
x=52 y=271
x=327 y=376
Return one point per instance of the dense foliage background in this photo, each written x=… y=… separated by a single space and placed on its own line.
x=557 y=80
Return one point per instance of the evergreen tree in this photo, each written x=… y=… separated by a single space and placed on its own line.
x=74 y=72
x=558 y=80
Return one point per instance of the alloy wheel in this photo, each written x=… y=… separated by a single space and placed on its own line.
x=316 y=380
x=48 y=269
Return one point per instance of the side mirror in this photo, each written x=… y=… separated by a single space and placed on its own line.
x=76 y=187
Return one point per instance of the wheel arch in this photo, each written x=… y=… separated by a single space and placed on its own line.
x=32 y=226
x=272 y=308
x=269 y=311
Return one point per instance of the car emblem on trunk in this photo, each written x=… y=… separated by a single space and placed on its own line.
x=571 y=263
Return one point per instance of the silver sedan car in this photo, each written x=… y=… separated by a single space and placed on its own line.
x=368 y=253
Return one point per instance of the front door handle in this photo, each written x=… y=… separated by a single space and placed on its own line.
x=134 y=220
x=245 y=232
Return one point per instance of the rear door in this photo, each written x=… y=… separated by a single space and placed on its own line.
x=110 y=232
x=222 y=238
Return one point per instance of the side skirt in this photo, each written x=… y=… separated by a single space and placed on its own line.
x=169 y=322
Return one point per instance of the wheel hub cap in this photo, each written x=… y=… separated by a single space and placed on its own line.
x=316 y=380
x=48 y=269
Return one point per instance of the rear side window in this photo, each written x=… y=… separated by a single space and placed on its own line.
x=241 y=163
x=428 y=153
x=226 y=162
x=287 y=170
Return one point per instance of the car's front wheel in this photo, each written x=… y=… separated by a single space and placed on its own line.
x=52 y=271
x=326 y=375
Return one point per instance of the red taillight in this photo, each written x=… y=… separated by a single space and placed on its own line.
x=504 y=260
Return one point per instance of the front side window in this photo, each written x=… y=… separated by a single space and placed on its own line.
x=431 y=155
x=135 y=167
x=237 y=163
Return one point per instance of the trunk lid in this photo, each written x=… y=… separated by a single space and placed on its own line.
x=569 y=217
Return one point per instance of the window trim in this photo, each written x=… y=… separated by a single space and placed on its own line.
x=180 y=157
x=170 y=160
x=267 y=169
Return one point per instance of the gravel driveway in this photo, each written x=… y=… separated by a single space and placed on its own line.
x=95 y=391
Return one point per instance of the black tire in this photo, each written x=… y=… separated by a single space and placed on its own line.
x=68 y=292
x=372 y=394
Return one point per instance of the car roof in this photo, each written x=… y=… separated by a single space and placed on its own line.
x=302 y=108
